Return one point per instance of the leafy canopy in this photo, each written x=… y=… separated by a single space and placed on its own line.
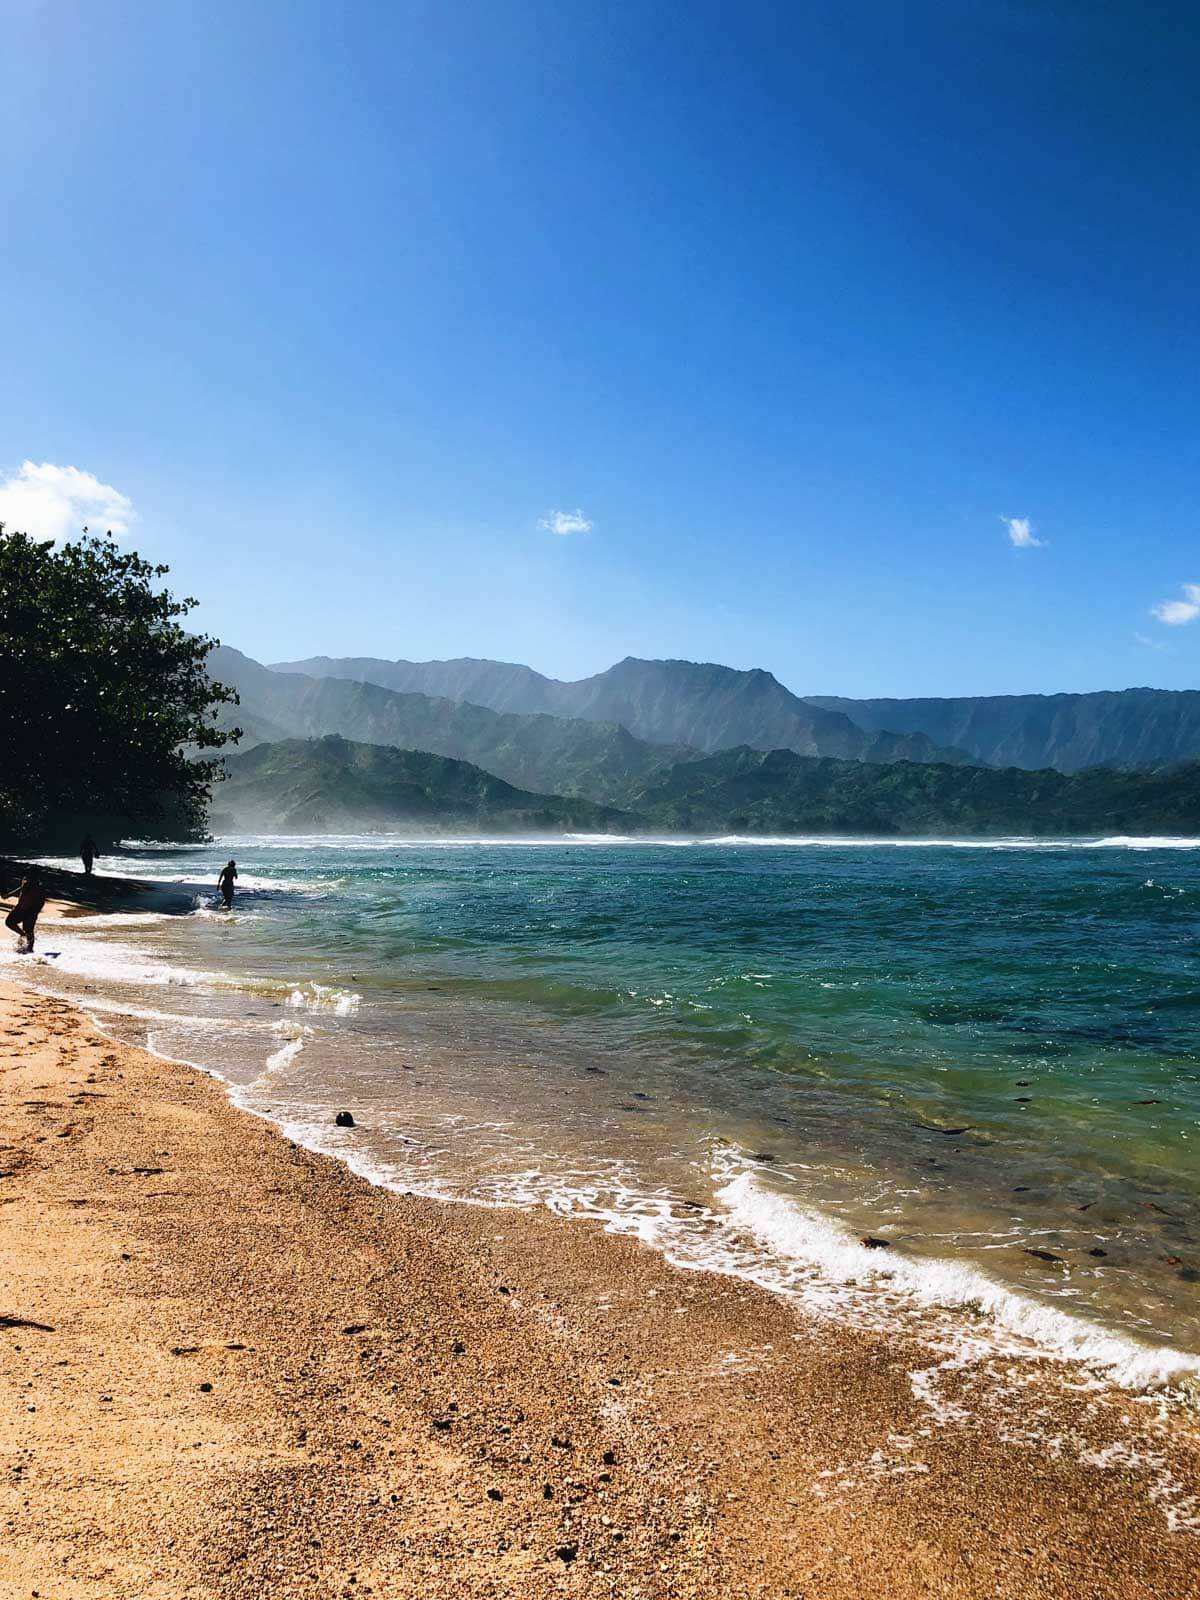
x=101 y=690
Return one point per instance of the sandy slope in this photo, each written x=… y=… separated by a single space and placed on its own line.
x=230 y=1368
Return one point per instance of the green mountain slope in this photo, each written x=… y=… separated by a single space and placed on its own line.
x=602 y=762
x=1126 y=727
x=331 y=785
x=335 y=785
x=702 y=705
x=778 y=792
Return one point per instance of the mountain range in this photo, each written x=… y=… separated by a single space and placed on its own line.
x=699 y=705
x=598 y=761
x=712 y=707
x=680 y=745
x=1120 y=727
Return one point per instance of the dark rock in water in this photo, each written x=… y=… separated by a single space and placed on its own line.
x=763 y=1155
x=932 y=1127
x=1023 y=1083
x=567 y=1552
x=1042 y=1255
x=343 y=1120
x=1022 y=1099
x=1096 y=1251
x=1149 y=1102
x=599 y=1071
x=875 y=1244
x=1021 y=1188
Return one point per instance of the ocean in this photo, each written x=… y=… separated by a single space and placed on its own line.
x=932 y=1083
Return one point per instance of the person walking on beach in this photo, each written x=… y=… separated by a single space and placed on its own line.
x=226 y=881
x=22 y=919
x=87 y=854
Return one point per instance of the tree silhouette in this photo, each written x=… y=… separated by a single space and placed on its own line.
x=102 y=695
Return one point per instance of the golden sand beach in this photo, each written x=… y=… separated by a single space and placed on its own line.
x=233 y=1368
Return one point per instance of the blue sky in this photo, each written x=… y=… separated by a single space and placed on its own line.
x=338 y=304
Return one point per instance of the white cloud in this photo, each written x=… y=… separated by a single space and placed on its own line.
x=1176 y=612
x=564 y=522
x=1021 y=534
x=50 y=502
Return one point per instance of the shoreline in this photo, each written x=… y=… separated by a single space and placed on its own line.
x=756 y=1451
x=810 y=1254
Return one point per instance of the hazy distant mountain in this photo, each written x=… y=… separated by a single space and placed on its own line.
x=705 y=706
x=332 y=785
x=1121 y=727
x=778 y=792
x=549 y=755
x=499 y=685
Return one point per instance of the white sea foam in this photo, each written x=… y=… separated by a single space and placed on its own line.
x=315 y=996
x=808 y=1254
x=115 y=919
x=293 y=1036
x=106 y=961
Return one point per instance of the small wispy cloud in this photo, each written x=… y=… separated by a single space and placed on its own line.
x=1176 y=612
x=51 y=502
x=1021 y=534
x=564 y=522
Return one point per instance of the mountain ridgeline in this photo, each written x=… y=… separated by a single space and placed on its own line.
x=712 y=708
x=699 y=705
x=597 y=761
x=333 y=785
x=1114 y=727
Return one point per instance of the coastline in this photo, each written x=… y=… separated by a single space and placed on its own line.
x=171 y=1241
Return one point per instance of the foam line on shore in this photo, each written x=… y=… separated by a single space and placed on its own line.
x=808 y=1242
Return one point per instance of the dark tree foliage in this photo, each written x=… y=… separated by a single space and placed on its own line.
x=101 y=692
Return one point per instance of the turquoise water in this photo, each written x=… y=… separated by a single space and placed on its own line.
x=749 y=1053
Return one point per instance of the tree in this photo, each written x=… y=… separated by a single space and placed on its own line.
x=102 y=692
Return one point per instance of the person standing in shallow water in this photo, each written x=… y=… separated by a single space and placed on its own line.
x=87 y=854
x=226 y=882
x=22 y=919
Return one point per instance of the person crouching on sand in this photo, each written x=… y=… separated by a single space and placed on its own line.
x=226 y=881
x=22 y=919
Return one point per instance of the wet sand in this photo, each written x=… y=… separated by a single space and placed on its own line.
x=232 y=1368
